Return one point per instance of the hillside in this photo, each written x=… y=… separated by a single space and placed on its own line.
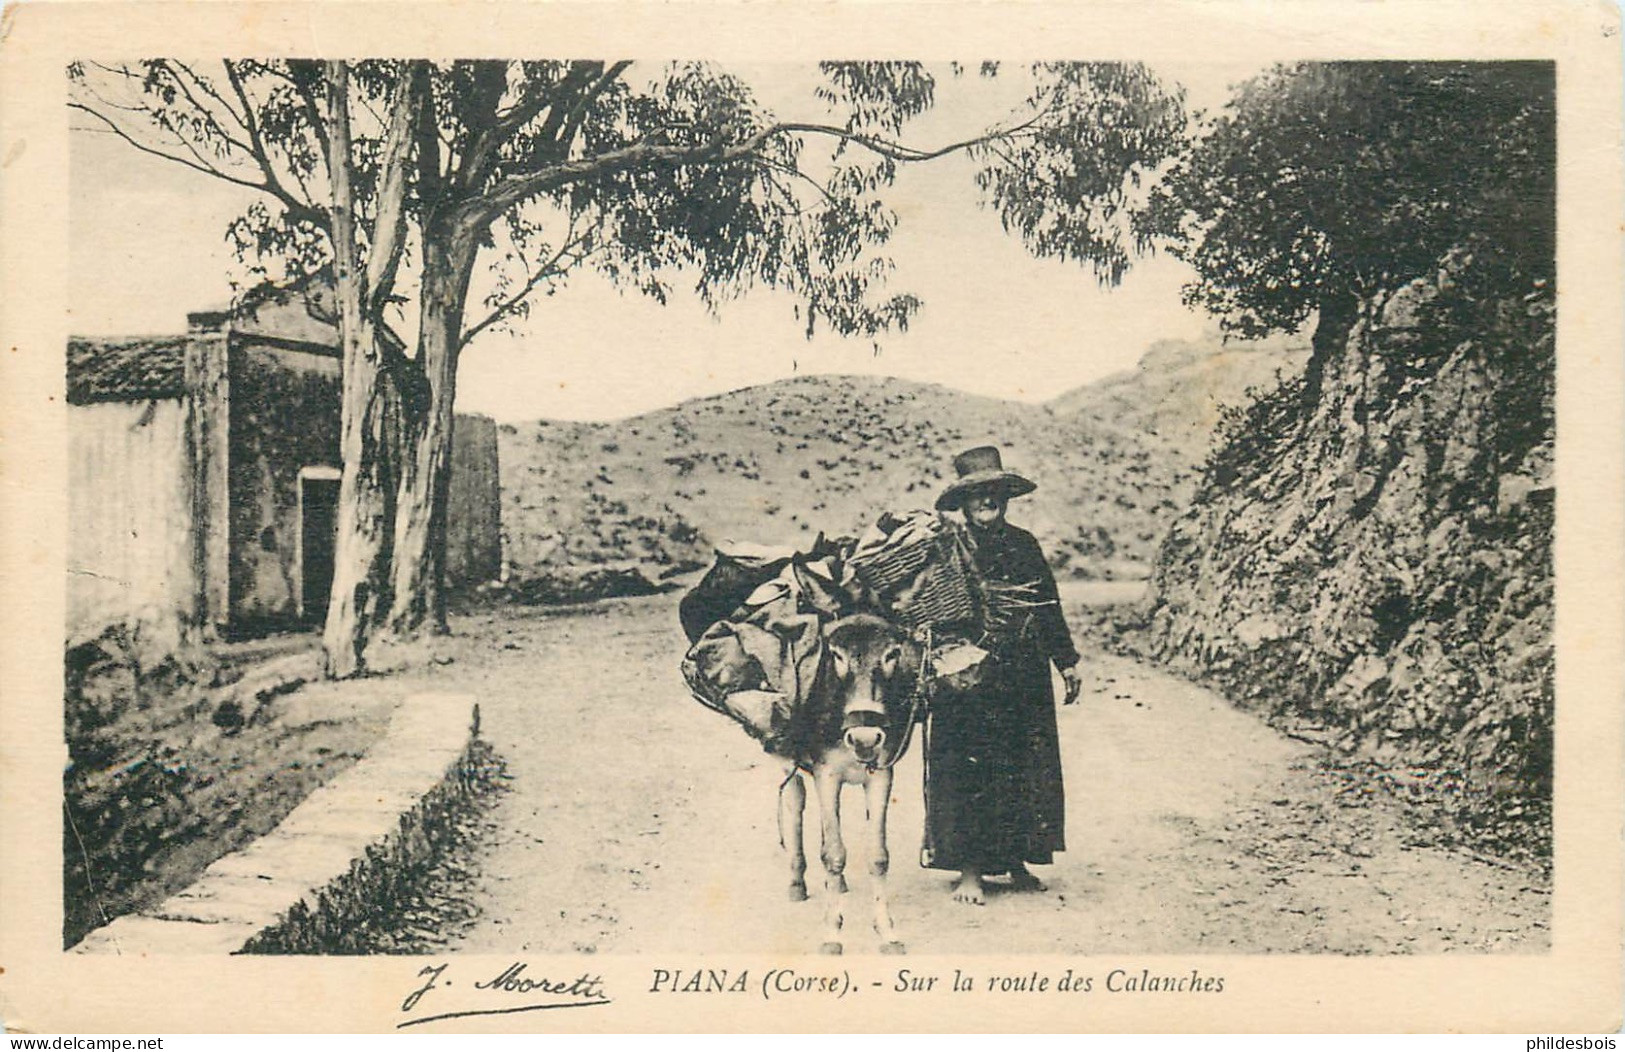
x=779 y=463
x=1371 y=552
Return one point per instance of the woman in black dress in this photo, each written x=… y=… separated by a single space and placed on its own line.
x=994 y=800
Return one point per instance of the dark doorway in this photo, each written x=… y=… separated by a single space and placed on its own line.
x=318 y=530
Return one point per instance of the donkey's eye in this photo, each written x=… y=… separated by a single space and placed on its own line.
x=889 y=660
x=842 y=664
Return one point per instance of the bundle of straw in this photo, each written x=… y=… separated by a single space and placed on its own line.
x=1008 y=607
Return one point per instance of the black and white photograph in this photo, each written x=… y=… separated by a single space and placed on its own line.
x=789 y=533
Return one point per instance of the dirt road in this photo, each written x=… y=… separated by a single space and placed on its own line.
x=639 y=821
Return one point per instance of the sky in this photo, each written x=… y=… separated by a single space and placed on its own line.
x=148 y=245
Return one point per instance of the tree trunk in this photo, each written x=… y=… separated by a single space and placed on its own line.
x=362 y=514
x=366 y=517
x=419 y=602
x=368 y=415
x=1338 y=311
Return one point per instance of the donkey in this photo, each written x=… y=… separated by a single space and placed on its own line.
x=855 y=725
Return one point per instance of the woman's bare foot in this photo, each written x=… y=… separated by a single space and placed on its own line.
x=1022 y=879
x=968 y=888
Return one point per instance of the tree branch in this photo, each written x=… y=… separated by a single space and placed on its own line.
x=531 y=106
x=196 y=166
x=543 y=273
x=578 y=112
x=180 y=136
x=389 y=224
x=261 y=153
x=313 y=112
x=250 y=124
x=795 y=173
x=519 y=187
x=431 y=184
x=573 y=82
x=483 y=152
x=118 y=71
x=176 y=68
x=490 y=79
x=885 y=148
x=503 y=309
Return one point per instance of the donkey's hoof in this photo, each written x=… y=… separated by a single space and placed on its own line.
x=893 y=947
x=798 y=891
x=830 y=948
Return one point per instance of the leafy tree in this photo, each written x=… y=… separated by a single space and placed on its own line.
x=538 y=168
x=1322 y=184
x=1072 y=188
x=279 y=128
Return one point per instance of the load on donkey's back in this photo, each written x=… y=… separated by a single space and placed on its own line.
x=830 y=656
x=756 y=621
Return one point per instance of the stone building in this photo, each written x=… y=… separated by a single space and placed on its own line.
x=204 y=474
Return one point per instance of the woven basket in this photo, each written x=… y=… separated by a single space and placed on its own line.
x=939 y=594
x=888 y=568
x=918 y=571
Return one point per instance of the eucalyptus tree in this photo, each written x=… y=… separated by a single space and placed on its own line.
x=653 y=177
x=278 y=129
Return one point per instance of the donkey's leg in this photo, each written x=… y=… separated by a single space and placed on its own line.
x=792 y=811
x=877 y=795
x=833 y=853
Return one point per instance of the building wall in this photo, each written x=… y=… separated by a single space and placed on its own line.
x=187 y=508
x=208 y=423
x=307 y=315
x=130 y=514
x=284 y=416
x=474 y=503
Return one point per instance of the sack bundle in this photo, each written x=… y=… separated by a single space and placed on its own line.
x=740 y=569
x=755 y=621
x=757 y=664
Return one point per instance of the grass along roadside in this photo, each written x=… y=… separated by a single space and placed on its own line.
x=167 y=773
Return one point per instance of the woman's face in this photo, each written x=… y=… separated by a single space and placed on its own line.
x=985 y=509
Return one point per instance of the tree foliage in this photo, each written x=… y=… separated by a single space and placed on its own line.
x=677 y=175
x=1069 y=187
x=1321 y=183
x=654 y=176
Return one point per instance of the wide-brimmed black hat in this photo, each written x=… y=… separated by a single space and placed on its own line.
x=979 y=469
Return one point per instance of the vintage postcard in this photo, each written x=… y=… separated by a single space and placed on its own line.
x=782 y=517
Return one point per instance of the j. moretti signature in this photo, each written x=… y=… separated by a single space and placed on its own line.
x=497 y=995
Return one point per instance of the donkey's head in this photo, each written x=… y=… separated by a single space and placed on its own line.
x=872 y=666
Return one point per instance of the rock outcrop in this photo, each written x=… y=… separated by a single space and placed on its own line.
x=1370 y=548
x=1174 y=398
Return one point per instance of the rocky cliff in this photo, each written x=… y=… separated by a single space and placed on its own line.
x=1369 y=551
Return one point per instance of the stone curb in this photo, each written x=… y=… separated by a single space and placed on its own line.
x=364 y=813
